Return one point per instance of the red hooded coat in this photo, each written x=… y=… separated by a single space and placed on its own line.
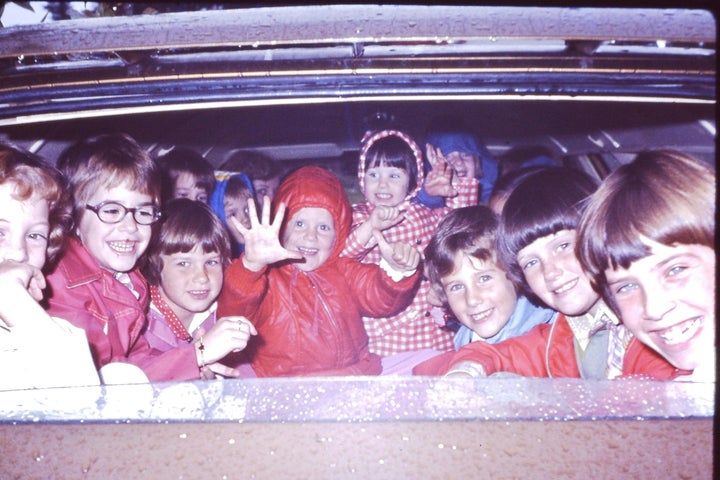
x=310 y=323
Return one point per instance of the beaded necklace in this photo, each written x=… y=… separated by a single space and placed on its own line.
x=175 y=324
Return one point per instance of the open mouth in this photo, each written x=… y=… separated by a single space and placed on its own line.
x=307 y=252
x=680 y=333
x=482 y=316
x=123 y=247
x=565 y=287
x=199 y=294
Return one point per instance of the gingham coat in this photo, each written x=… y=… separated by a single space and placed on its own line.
x=413 y=328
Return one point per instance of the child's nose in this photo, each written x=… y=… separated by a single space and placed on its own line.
x=16 y=250
x=473 y=296
x=128 y=223
x=201 y=275
x=657 y=302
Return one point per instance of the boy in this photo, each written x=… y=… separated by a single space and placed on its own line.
x=647 y=239
x=537 y=247
x=230 y=200
x=462 y=266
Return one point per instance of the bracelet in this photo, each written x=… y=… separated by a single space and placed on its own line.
x=201 y=349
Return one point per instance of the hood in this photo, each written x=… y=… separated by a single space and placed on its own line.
x=371 y=137
x=464 y=142
x=218 y=196
x=316 y=187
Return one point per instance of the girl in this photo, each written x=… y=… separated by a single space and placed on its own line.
x=36 y=350
x=647 y=238
x=186 y=260
x=304 y=299
x=537 y=239
x=390 y=175
x=97 y=284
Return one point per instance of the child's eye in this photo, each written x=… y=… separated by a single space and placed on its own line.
x=183 y=263
x=564 y=246
x=202 y=198
x=626 y=288
x=325 y=228
x=484 y=278
x=38 y=236
x=212 y=263
x=529 y=264
x=676 y=270
x=455 y=287
x=299 y=223
x=372 y=174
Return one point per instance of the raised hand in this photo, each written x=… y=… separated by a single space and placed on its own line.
x=383 y=217
x=229 y=334
x=262 y=239
x=439 y=180
x=402 y=257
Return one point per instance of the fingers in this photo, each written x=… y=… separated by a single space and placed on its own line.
x=239 y=226
x=252 y=212
x=242 y=324
x=223 y=370
x=279 y=215
x=266 y=210
x=383 y=244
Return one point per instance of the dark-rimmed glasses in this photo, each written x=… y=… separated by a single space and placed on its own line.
x=114 y=212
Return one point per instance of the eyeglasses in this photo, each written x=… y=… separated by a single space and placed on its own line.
x=114 y=212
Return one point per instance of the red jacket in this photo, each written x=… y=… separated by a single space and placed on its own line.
x=309 y=323
x=90 y=298
x=537 y=354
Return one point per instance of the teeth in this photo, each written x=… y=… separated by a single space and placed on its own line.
x=566 y=287
x=122 y=247
x=307 y=251
x=479 y=317
x=681 y=332
x=383 y=196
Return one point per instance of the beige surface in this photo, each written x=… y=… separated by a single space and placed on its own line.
x=490 y=449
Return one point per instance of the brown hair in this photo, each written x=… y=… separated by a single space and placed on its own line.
x=109 y=160
x=470 y=230
x=663 y=195
x=186 y=224
x=33 y=176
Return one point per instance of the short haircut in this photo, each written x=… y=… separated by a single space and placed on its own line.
x=544 y=203
x=33 y=176
x=663 y=195
x=507 y=182
x=254 y=164
x=185 y=160
x=184 y=225
x=236 y=187
x=107 y=161
x=393 y=151
x=469 y=230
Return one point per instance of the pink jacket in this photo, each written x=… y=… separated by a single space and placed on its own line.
x=90 y=298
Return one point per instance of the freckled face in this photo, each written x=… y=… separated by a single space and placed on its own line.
x=554 y=274
x=24 y=227
x=311 y=231
x=479 y=294
x=118 y=246
x=191 y=281
x=386 y=186
x=667 y=300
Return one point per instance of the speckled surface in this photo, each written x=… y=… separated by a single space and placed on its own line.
x=362 y=428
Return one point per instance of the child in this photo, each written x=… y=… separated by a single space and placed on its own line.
x=536 y=243
x=506 y=183
x=230 y=199
x=186 y=174
x=453 y=142
x=390 y=174
x=647 y=239
x=186 y=260
x=304 y=299
x=462 y=266
x=36 y=350
x=97 y=284
x=264 y=173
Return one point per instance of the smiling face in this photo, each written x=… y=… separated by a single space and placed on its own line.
x=667 y=300
x=386 y=186
x=479 y=294
x=311 y=231
x=118 y=246
x=190 y=281
x=464 y=164
x=553 y=273
x=24 y=227
x=186 y=187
